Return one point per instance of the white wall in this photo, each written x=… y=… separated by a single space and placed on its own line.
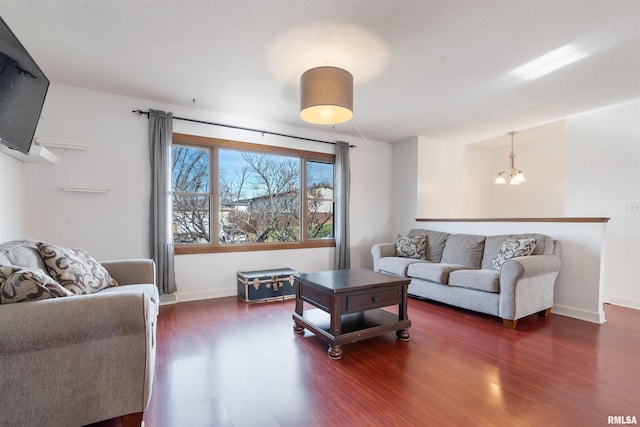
x=457 y=181
x=370 y=199
x=479 y=167
x=540 y=154
x=404 y=186
x=115 y=224
x=110 y=225
x=14 y=193
x=603 y=179
x=428 y=181
x=441 y=178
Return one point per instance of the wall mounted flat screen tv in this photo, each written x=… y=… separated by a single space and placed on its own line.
x=23 y=88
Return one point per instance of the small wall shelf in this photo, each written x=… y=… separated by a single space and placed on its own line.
x=74 y=189
x=64 y=144
x=37 y=154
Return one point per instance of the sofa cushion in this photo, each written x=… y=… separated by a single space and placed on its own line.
x=397 y=265
x=482 y=280
x=432 y=272
x=435 y=243
x=19 y=284
x=23 y=253
x=411 y=247
x=75 y=269
x=464 y=249
x=512 y=248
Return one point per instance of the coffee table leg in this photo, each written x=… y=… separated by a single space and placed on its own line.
x=335 y=352
x=298 y=329
x=403 y=334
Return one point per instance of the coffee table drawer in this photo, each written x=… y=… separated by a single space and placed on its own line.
x=372 y=299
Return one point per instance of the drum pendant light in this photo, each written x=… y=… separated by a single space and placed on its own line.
x=326 y=95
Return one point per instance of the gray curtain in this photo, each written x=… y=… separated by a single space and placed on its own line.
x=342 y=189
x=161 y=236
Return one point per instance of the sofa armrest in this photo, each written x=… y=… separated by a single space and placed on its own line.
x=58 y=322
x=382 y=250
x=526 y=285
x=529 y=266
x=64 y=352
x=132 y=271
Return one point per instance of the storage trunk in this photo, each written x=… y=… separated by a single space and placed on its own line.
x=266 y=285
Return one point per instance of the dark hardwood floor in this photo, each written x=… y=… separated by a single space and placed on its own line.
x=226 y=363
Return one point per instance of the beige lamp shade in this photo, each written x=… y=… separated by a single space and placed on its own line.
x=326 y=95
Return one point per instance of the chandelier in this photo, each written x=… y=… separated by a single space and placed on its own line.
x=516 y=177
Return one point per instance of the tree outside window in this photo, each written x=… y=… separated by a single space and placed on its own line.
x=320 y=202
x=260 y=196
x=191 y=185
x=249 y=196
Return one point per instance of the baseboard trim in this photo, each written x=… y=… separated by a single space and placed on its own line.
x=168 y=299
x=580 y=314
x=200 y=295
x=625 y=302
x=178 y=297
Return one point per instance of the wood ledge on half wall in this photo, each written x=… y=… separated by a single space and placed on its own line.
x=559 y=219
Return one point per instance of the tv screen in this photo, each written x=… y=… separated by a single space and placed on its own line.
x=23 y=87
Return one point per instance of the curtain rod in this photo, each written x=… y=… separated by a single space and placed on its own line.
x=140 y=113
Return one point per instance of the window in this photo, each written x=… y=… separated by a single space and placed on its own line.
x=319 y=200
x=191 y=194
x=236 y=196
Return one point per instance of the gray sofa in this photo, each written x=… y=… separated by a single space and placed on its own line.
x=457 y=269
x=80 y=359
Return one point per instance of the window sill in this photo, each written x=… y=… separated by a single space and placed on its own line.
x=188 y=249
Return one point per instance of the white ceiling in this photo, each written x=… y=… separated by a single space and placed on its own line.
x=437 y=68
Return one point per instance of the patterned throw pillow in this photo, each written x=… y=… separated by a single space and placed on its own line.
x=19 y=284
x=411 y=247
x=75 y=269
x=512 y=248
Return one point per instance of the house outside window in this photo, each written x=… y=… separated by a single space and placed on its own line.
x=235 y=196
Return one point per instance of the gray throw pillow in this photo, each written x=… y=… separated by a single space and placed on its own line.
x=512 y=248
x=75 y=269
x=464 y=249
x=436 y=241
x=19 y=284
x=411 y=247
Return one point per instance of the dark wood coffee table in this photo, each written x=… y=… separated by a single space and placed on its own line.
x=349 y=306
